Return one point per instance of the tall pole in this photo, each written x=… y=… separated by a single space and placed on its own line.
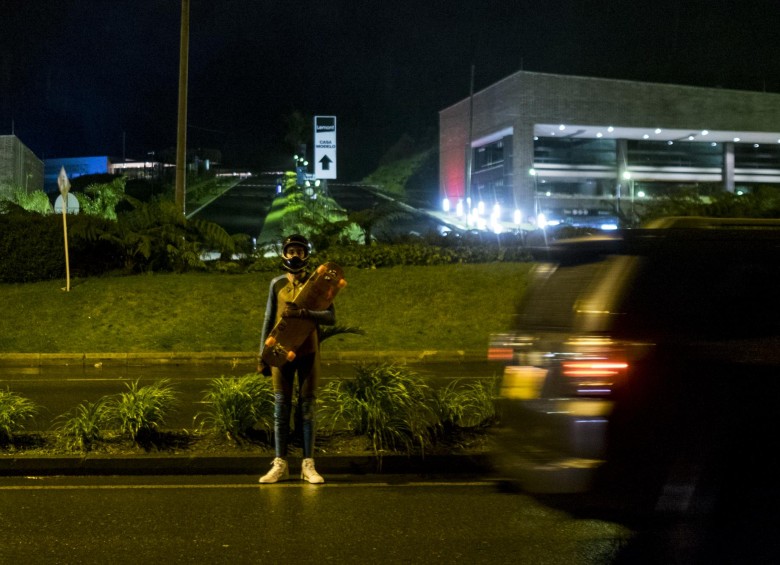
x=468 y=147
x=64 y=184
x=181 y=138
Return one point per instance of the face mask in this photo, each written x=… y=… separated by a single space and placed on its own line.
x=293 y=264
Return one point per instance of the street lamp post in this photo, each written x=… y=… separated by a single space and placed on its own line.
x=181 y=138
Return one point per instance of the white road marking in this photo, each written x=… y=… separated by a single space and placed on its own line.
x=246 y=486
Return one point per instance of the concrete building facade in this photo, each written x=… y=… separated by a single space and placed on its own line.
x=19 y=167
x=578 y=149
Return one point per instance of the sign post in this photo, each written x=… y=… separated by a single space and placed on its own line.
x=64 y=184
x=325 y=147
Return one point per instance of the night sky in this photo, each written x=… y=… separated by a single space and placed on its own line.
x=100 y=77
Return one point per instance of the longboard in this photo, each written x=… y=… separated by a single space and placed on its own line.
x=289 y=333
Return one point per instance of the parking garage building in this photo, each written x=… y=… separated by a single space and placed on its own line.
x=586 y=151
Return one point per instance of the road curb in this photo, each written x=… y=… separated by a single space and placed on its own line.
x=231 y=358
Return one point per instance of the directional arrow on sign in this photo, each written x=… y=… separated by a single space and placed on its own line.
x=326 y=161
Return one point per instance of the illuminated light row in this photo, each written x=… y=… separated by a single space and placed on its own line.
x=475 y=215
x=657 y=131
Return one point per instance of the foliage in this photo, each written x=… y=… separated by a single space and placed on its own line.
x=32 y=246
x=236 y=406
x=384 y=255
x=101 y=199
x=370 y=218
x=387 y=403
x=759 y=203
x=15 y=410
x=298 y=129
x=32 y=201
x=320 y=219
x=465 y=405
x=141 y=411
x=155 y=236
x=80 y=427
x=393 y=176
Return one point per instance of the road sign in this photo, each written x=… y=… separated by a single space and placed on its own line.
x=73 y=204
x=325 y=147
x=63 y=182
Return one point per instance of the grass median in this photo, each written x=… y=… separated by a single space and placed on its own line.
x=452 y=307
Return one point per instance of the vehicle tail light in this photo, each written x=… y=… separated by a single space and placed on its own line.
x=594 y=377
x=500 y=354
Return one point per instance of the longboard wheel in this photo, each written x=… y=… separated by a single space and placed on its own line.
x=290 y=355
x=342 y=283
x=321 y=269
x=270 y=342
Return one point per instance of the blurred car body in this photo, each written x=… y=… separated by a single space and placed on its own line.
x=647 y=360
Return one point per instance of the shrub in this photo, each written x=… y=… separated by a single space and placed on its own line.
x=468 y=405
x=14 y=411
x=375 y=256
x=141 y=411
x=32 y=247
x=239 y=405
x=389 y=404
x=80 y=427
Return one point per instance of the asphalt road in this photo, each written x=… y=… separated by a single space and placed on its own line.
x=244 y=207
x=234 y=520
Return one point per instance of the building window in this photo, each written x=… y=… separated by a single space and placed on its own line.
x=574 y=151
x=756 y=156
x=489 y=155
x=682 y=154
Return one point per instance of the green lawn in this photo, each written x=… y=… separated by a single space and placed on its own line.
x=452 y=307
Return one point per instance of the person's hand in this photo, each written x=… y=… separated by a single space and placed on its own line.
x=263 y=368
x=293 y=311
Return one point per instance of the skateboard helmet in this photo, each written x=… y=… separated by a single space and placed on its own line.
x=295 y=264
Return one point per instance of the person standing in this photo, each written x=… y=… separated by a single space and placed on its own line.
x=306 y=365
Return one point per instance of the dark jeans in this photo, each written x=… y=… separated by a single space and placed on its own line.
x=307 y=367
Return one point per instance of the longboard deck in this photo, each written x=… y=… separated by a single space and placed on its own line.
x=289 y=333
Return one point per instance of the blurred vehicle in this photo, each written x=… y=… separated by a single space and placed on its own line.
x=646 y=362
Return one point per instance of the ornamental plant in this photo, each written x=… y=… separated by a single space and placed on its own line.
x=236 y=406
x=390 y=404
x=81 y=427
x=15 y=410
x=141 y=410
x=465 y=405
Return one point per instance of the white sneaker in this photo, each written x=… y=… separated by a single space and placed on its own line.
x=279 y=472
x=309 y=473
